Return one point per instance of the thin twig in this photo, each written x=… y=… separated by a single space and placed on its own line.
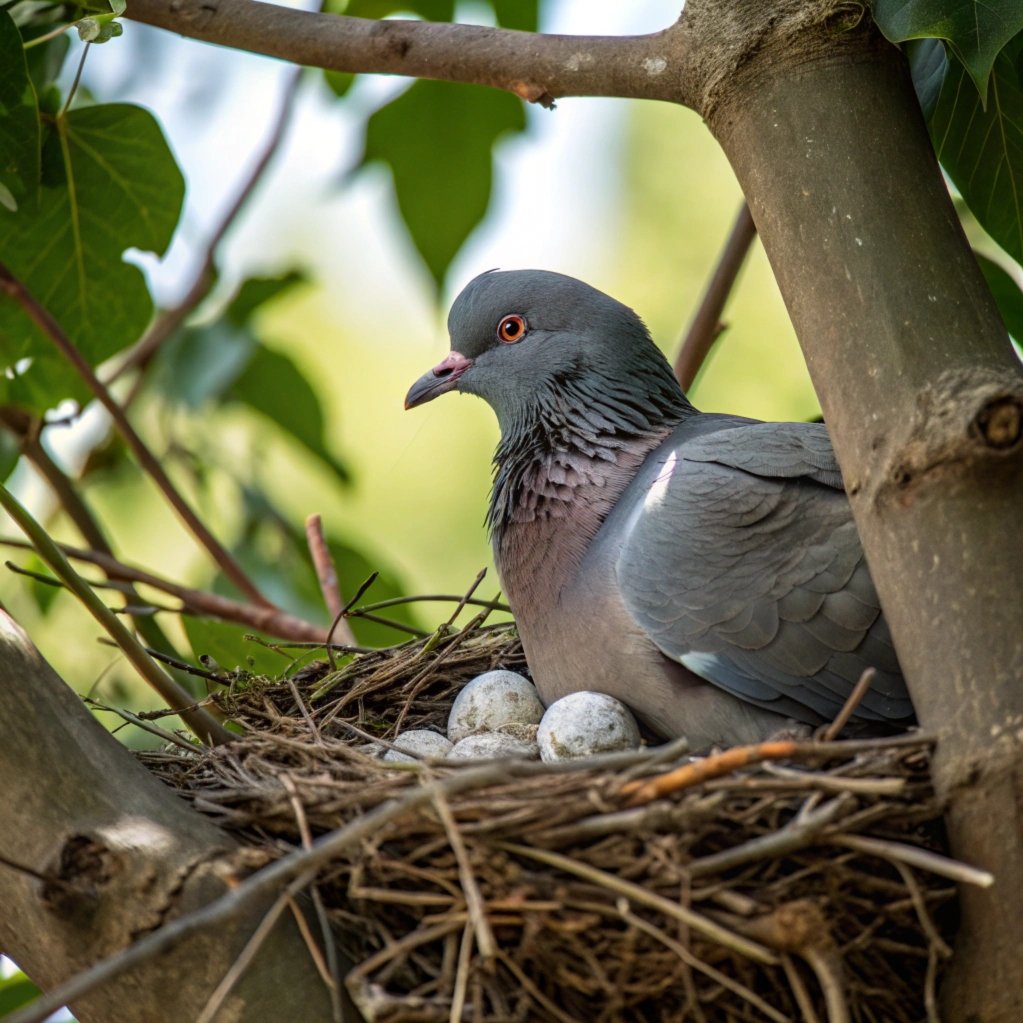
x=694 y=962
x=149 y=463
x=252 y=947
x=339 y=617
x=270 y=620
x=827 y=966
x=171 y=319
x=915 y=857
x=699 y=923
x=849 y=707
x=474 y=904
x=326 y=573
x=206 y=727
x=705 y=326
x=146 y=726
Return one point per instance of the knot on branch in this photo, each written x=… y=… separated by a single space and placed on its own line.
x=195 y=13
x=728 y=42
x=967 y=424
x=75 y=883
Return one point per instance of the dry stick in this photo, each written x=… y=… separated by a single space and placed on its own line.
x=470 y=889
x=706 y=326
x=266 y=619
x=41 y=316
x=715 y=766
x=146 y=726
x=696 y=963
x=922 y=858
x=326 y=573
x=799 y=992
x=252 y=947
x=828 y=968
x=170 y=320
x=634 y=892
x=207 y=728
x=852 y=702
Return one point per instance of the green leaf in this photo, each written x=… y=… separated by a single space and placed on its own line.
x=225 y=642
x=45 y=62
x=437 y=139
x=975 y=29
x=109 y=181
x=274 y=386
x=928 y=63
x=523 y=15
x=1007 y=294
x=428 y=10
x=10 y=453
x=19 y=119
x=982 y=150
x=200 y=363
x=257 y=291
x=16 y=991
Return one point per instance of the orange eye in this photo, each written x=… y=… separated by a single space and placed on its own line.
x=511 y=329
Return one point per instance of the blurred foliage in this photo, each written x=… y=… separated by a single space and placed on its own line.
x=241 y=402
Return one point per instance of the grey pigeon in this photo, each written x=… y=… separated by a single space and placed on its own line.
x=705 y=569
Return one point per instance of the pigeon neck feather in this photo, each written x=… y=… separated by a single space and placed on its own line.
x=561 y=466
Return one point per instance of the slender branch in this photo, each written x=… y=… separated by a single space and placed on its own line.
x=171 y=319
x=706 y=327
x=42 y=317
x=537 y=68
x=270 y=620
x=202 y=724
x=326 y=573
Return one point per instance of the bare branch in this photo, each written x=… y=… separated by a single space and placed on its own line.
x=326 y=573
x=537 y=68
x=706 y=326
x=42 y=318
x=270 y=620
x=202 y=724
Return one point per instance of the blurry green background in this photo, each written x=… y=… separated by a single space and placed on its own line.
x=635 y=198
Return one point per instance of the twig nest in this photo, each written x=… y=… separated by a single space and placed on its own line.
x=493 y=746
x=583 y=724
x=423 y=742
x=491 y=700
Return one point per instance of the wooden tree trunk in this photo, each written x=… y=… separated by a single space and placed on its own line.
x=124 y=854
x=921 y=391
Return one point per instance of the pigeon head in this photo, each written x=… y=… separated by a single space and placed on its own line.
x=536 y=344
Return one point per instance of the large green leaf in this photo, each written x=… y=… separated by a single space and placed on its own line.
x=975 y=29
x=982 y=150
x=437 y=139
x=273 y=385
x=1007 y=295
x=19 y=120
x=16 y=991
x=109 y=182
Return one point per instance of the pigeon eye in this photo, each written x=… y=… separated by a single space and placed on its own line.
x=511 y=329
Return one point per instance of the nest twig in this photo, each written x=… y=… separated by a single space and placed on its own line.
x=813 y=888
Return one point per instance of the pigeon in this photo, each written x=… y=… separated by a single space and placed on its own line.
x=702 y=568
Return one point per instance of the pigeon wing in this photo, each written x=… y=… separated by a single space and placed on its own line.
x=741 y=561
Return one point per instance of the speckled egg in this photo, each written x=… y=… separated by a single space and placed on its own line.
x=491 y=700
x=584 y=724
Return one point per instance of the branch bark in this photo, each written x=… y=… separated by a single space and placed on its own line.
x=537 y=68
x=921 y=392
x=121 y=855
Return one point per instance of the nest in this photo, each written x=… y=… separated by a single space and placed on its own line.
x=782 y=882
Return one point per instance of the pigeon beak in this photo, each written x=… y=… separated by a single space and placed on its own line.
x=442 y=378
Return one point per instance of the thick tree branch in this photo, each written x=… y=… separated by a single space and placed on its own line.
x=537 y=68
x=124 y=854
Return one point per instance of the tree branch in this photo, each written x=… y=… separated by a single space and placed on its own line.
x=42 y=317
x=706 y=326
x=537 y=68
x=270 y=620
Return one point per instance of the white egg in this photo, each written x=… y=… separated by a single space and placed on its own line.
x=584 y=724
x=423 y=742
x=493 y=746
x=491 y=700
